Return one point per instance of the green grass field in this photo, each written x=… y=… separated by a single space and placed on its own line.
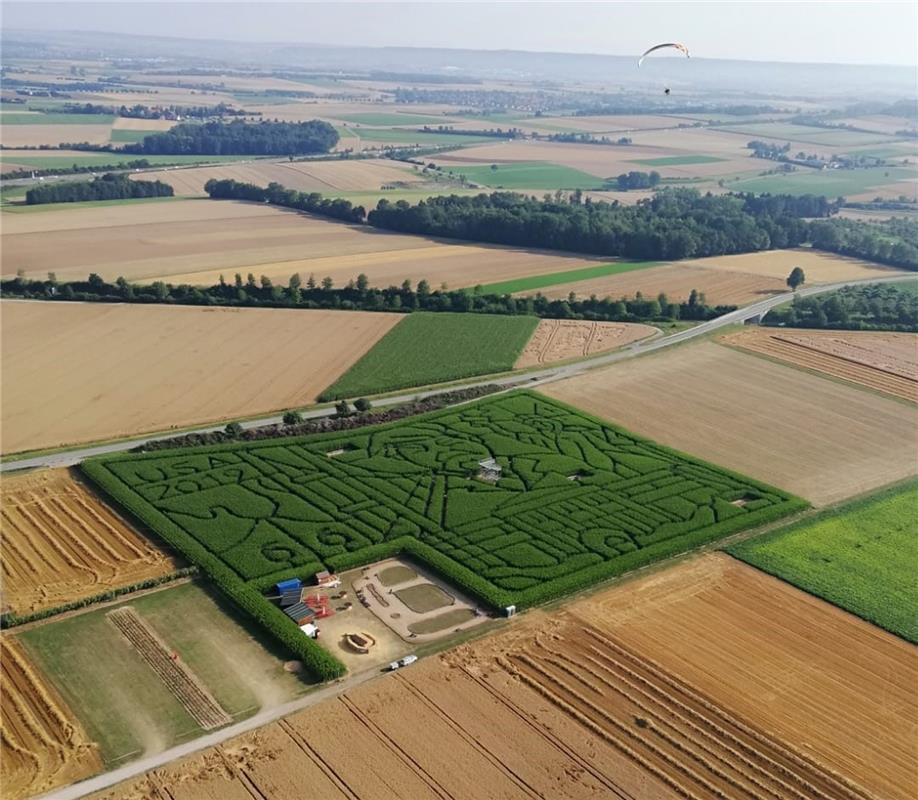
x=14 y=118
x=120 y=136
x=578 y=501
x=809 y=134
x=408 y=136
x=22 y=208
x=832 y=183
x=568 y=276
x=427 y=348
x=385 y=120
x=109 y=159
x=124 y=706
x=530 y=175
x=676 y=161
x=862 y=557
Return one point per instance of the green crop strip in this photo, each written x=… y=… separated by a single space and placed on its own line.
x=568 y=276
x=675 y=161
x=862 y=557
x=578 y=501
x=426 y=348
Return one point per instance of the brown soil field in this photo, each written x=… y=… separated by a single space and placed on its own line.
x=61 y=543
x=809 y=435
x=153 y=242
x=887 y=362
x=556 y=340
x=77 y=372
x=316 y=176
x=34 y=135
x=43 y=744
x=705 y=680
x=677 y=281
x=819 y=267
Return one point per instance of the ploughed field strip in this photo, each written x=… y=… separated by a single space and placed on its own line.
x=886 y=362
x=695 y=746
x=572 y=500
x=176 y=676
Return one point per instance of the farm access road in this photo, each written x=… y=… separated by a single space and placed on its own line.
x=68 y=458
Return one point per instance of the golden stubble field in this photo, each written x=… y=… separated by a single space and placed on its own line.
x=35 y=135
x=809 y=435
x=820 y=267
x=61 y=543
x=76 y=372
x=560 y=339
x=708 y=679
x=676 y=281
x=195 y=241
x=304 y=176
x=886 y=362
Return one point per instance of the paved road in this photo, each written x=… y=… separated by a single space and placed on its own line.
x=547 y=375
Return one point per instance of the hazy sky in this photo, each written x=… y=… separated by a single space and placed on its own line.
x=823 y=30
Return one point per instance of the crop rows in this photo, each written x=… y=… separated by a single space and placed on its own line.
x=578 y=500
x=178 y=679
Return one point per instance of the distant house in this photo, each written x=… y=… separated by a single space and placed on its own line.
x=489 y=470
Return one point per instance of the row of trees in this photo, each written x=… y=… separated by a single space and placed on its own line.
x=240 y=138
x=637 y=180
x=276 y=194
x=893 y=242
x=676 y=223
x=358 y=295
x=107 y=187
x=875 y=307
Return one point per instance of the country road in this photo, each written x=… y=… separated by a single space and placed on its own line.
x=68 y=458
x=137 y=768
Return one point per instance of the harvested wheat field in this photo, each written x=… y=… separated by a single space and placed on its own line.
x=305 y=176
x=887 y=362
x=79 y=372
x=156 y=242
x=36 y=135
x=135 y=124
x=61 y=543
x=43 y=744
x=674 y=685
x=809 y=435
x=676 y=281
x=819 y=267
x=556 y=340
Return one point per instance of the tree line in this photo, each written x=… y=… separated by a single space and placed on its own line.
x=893 y=242
x=239 y=138
x=357 y=294
x=676 y=223
x=274 y=193
x=878 y=306
x=108 y=187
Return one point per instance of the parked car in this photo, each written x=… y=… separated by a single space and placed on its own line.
x=402 y=662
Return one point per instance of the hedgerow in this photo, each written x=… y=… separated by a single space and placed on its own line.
x=577 y=501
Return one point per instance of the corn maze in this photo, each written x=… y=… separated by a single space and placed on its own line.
x=577 y=500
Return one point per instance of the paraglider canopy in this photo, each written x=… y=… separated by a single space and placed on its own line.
x=663 y=46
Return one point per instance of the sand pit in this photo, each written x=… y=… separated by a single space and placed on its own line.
x=43 y=744
x=197 y=241
x=811 y=436
x=684 y=692
x=886 y=362
x=720 y=287
x=81 y=372
x=62 y=543
x=557 y=340
x=819 y=267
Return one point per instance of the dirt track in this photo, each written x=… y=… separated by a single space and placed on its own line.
x=79 y=372
x=43 y=745
x=556 y=340
x=887 y=362
x=61 y=543
x=800 y=432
